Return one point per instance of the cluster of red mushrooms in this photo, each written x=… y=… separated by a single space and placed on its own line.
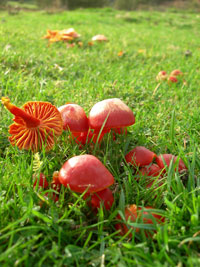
x=171 y=78
x=37 y=125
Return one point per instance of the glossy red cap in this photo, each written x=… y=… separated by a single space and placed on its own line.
x=140 y=156
x=85 y=172
x=74 y=118
x=163 y=159
x=117 y=113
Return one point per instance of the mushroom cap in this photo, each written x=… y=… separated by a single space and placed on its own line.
x=44 y=134
x=117 y=113
x=172 y=79
x=104 y=197
x=99 y=38
x=74 y=118
x=165 y=159
x=132 y=212
x=162 y=75
x=140 y=156
x=150 y=171
x=85 y=172
x=176 y=73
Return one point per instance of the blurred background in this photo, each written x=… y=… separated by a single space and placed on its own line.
x=117 y=4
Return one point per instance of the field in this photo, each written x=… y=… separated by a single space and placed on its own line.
x=68 y=232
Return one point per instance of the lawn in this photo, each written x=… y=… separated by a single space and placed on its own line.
x=68 y=232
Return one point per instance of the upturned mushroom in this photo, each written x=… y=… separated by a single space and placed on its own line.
x=36 y=125
x=113 y=112
x=85 y=173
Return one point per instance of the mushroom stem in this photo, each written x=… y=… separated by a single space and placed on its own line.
x=30 y=121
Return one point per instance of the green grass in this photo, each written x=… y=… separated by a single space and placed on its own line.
x=167 y=121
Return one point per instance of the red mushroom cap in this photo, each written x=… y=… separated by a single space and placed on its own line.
x=42 y=181
x=165 y=159
x=84 y=138
x=117 y=113
x=140 y=156
x=131 y=213
x=172 y=79
x=162 y=75
x=176 y=73
x=104 y=197
x=152 y=170
x=74 y=118
x=55 y=184
x=85 y=172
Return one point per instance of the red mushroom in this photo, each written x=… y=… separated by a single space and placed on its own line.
x=172 y=79
x=133 y=213
x=162 y=75
x=87 y=137
x=151 y=171
x=36 y=125
x=104 y=197
x=74 y=118
x=176 y=73
x=85 y=172
x=43 y=183
x=55 y=184
x=165 y=159
x=113 y=112
x=140 y=156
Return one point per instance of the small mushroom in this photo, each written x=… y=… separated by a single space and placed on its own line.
x=135 y=214
x=85 y=172
x=152 y=170
x=75 y=121
x=164 y=160
x=99 y=38
x=36 y=124
x=113 y=112
x=140 y=156
x=43 y=183
x=74 y=118
x=162 y=75
x=55 y=184
x=88 y=137
x=176 y=73
x=172 y=79
x=148 y=172
x=104 y=197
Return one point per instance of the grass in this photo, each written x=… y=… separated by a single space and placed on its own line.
x=67 y=233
